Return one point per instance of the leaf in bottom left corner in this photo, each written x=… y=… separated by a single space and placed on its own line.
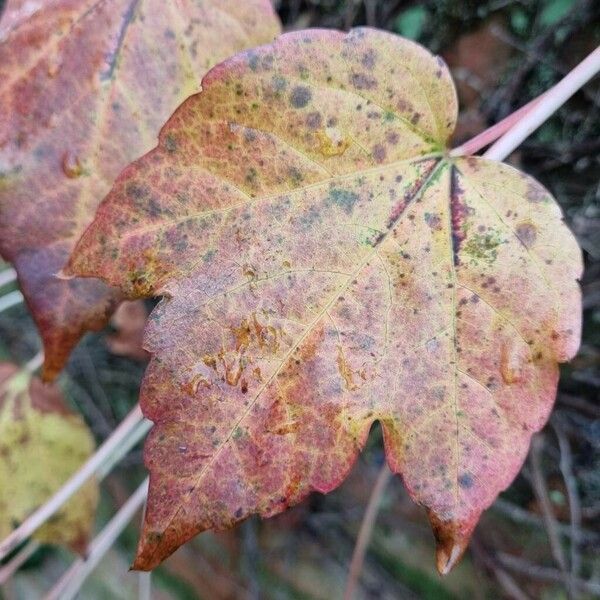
x=42 y=443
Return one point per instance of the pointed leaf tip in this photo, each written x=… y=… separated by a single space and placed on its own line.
x=448 y=557
x=452 y=539
x=153 y=548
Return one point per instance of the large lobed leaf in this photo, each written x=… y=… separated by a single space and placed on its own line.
x=84 y=87
x=325 y=264
x=42 y=444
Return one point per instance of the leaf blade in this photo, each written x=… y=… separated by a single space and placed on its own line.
x=314 y=292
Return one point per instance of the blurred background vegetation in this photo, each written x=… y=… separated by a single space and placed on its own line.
x=502 y=54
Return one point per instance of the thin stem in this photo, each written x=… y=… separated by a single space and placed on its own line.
x=509 y=585
x=490 y=135
x=70 y=583
x=529 y=117
x=522 y=516
x=552 y=100
x=36 y=362
x=566 y=468
x=17 y=561
x=144 y=577
x=144 y=585
x=366 y=529
x=7 y=276
x=119 y=443
x=136 y=435
x=11 y=299
x=543 y=497
x=539 y=573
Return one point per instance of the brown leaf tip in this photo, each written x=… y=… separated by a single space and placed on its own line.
x=447 y=557
x=452 y=539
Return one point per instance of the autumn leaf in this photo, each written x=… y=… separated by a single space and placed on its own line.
x=325 y=264
x=42 y=444
x=84 y=87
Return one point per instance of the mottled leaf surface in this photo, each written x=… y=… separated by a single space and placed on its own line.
x=84 y=87
x=325 y=265
x=42 y=444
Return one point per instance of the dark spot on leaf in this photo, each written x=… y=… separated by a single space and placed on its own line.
x=379 y=153
x=362 y=81
x=300 y=96
x=137 y=192
x=250 y=135
x=483 y=247
x=527 y=233
x=459 y=212
x=251 y=176
x=170 y=143
x=346 y=199
x=465 y=481
x=393 y=138
x=296 y=175
x=535 y=193
x=433 y=220
x=369 y=58
x=314 y=120
x=279 y=83
x=253 y=61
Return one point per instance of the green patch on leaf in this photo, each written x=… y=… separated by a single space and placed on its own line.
x=483 y=246
x=345 y=199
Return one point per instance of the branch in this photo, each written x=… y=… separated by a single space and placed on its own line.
x=553 y=99
x=17 y=561
x=366 y=529
x=508 y=584
x=520 y=515
x=490 y=135
x=7 y=276
x=518 y=565
x=541 y=492
x=111 y=451
x=11 y=299
x=35 y=363
x=517 y=126
x=566 y=469
x=145 y=585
